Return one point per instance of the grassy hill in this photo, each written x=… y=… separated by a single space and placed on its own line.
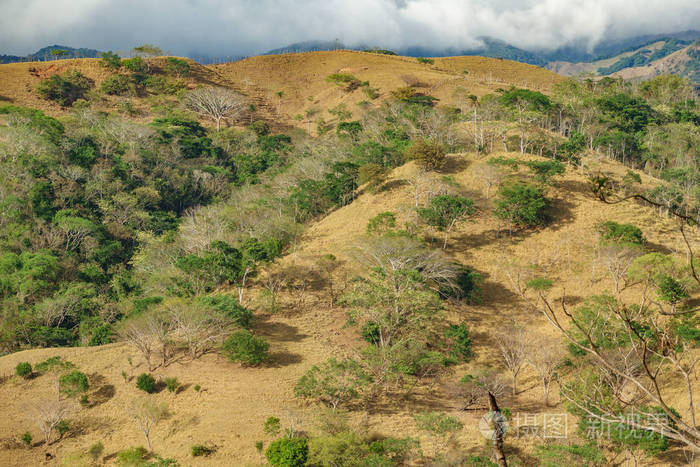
x=233 y=403
x=126 y=209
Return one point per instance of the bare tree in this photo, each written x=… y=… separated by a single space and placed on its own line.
x=216 y=103
x=147 y=412
x=472 y=390
x=200 y=329
x=491 y=176
x=511 y=345
x=49 y=413
x=545 y=359
x=618 y=259
x=149 y=333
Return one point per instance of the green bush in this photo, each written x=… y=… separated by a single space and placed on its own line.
x=62 y=427
x=116 y=85
x=671 y=290
x=53 y=364
x=272 y=426
x=135 y=65
x=26 y=438
x=23 y=370
x=229 y=307
x=425 y=61
x=146 y=383
x=461 y=343
x=96 y=450
x=288 y=452
x=199 y=450
x=178 y=67
x=245 y=348
x=553 y=455
x=260 y=127
x=66 y=88
x=621 y=234
x=111 y=60
x=132 y=457
x=172 y=384
x=73 y=383
x=522 y=205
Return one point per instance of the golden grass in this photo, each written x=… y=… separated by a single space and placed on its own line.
x=236 y=401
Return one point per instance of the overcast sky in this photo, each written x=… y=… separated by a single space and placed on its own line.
x=245 y=27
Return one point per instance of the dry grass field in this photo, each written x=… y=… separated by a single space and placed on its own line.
x=233 y=402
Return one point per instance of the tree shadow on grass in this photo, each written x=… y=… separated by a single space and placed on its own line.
x=276 y=331
x=282 y=359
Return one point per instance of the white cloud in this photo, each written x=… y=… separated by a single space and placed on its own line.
x=253 y=26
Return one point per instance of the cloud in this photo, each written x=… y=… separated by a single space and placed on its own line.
x=232 y=27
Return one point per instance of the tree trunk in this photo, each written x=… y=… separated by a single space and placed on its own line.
x=498 y=431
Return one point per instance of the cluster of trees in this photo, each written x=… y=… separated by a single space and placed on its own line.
x=84 y=193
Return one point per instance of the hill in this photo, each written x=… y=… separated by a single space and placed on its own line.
x=44 y=54
x=302 y=80
x=233 y=403
x=449 y=230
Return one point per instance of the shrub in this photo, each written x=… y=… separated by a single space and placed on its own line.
x=96 y=450
x=574 y=454
x=333 y=382
x=461 y=343
x=23 y=370
x=146 y=383
x=348 y=82
x=111 y=60
x=545 y=170
x=135 y=65
x=288 y=452
x=465 y=287
x=199 y=450
x=172 y=384
x=26 y=438
x=134 y=456
x=66 y=88
x=430 y=156
x=73 y=383
x=178 y=67
x=382 y=223
x=522 y=205
x=229 y=307
x=245 y=348
x=623 y=234
x=260 y=127
x=425 y=61
x=116 y=85
x=671 y=290
x=53 y=364
x=62 y=427
x=272 y=426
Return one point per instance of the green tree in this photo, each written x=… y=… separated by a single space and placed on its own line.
x=444 y=211
x=111 y=60
x=245 y=348
x=66 y=88
x=334 y=382
x=522 y=205
x=288 y=452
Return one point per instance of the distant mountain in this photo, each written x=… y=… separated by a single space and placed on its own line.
x=643 y=53
x=44 y=54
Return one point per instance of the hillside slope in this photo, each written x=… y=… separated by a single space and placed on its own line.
x=233 y=403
